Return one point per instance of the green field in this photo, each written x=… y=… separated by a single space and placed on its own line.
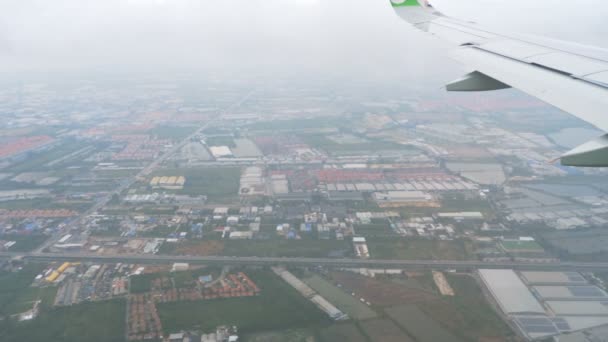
x=278 y=306
x=115 y=174
x=220 y=141
x=419 y=325
x=91 y=322
x=375 y=230
x=342 y=300
x=37 y=161
x=262 y=248
x=143 y=282
x=43 y=203
x=16 y=295
x=342 y=332
x=215 y=183
x=382 y=330
x=24 y=300
x=24 y=243
x=418 y=248
x=518 y=246
x=174 y=133
x=286 y=248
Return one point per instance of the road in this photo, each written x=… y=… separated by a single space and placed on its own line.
x=328 y=262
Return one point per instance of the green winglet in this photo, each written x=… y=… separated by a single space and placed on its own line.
x=403 y=3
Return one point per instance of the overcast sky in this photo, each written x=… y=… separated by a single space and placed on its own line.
x=358 y=37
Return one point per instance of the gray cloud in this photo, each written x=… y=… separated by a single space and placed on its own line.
x=361 y=38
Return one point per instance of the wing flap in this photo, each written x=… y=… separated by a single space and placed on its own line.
x=476 y=81
x=591 y=154
x=600 y=78
x=514 y=49
x=570 y=64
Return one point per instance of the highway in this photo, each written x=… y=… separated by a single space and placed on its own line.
x=327 y=262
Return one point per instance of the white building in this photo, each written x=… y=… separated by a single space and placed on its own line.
x=220 y=151
x=241 y=235
x=180 y=266
x=510 y=292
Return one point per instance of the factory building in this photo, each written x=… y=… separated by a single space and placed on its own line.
x=570 y=293
x=553 y=278
x=404 y=198
x=221 y=151
x=570 y=304
x=510 y=292
x=309 y=293
x=180 y=266
x=238 y=235
x=280 y=184
x=252 y=182
x=577 y=308
x=461 y=216
x=360 y=246
x=328 y=307
x=168 y=182
x=64 y=238
x=53 y=276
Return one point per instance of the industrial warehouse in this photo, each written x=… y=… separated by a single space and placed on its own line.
x=168 y=182
x=545 y=304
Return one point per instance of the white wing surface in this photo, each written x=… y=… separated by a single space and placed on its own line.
x=571 y=77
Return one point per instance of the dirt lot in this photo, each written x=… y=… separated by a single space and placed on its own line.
x=384 y=330
x=383 y=292
x=342 y=332
x=410 y=249
x=202 y=248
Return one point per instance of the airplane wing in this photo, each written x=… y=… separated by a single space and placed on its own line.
x=571 y=77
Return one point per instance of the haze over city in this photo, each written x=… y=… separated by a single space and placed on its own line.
x=303 y=170
x=355 y=37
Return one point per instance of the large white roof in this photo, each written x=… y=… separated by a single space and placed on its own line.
x=510 y=292
x=220 y=151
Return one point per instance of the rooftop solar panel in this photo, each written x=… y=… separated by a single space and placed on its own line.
x=586 y=291
x=534 y=320
x=561 y=324
x=538 y=326
x=545 y=329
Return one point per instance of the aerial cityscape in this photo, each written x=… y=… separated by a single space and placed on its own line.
x=303 y=171
x=301 y=212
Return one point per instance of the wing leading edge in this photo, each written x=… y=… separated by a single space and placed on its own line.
x=570 y=77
